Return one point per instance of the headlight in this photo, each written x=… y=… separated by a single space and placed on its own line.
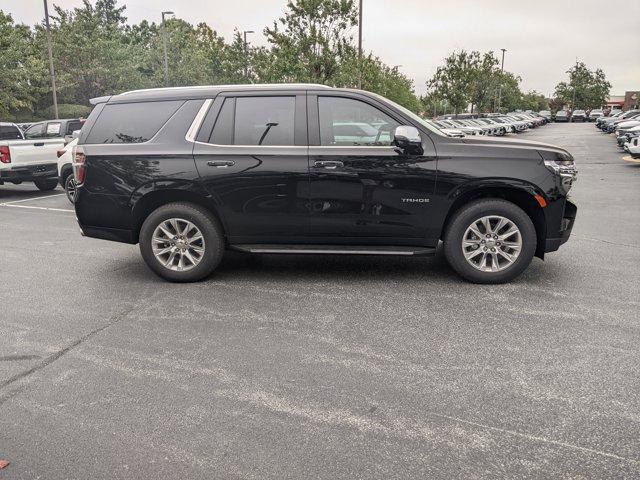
x=563 y=167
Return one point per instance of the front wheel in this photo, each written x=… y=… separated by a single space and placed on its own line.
x=181 y=242
x=490 y=241
x=46 y=184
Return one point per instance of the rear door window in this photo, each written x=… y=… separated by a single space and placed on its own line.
x=131 y=122
x=264 y=121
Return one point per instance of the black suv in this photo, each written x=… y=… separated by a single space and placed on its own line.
x=189 y=172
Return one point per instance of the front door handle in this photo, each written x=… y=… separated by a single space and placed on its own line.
x=328 y=164
x=221 y=163
x=38 y=144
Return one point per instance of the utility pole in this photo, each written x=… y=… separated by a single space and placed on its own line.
x=164 y=47
x=360 y=44
x=575 y=74
x=500 y=87
x=246 y=53
x=51 y=69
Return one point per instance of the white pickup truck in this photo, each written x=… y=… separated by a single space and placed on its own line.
x=31 y=160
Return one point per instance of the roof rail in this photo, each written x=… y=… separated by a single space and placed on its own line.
x=228 y=86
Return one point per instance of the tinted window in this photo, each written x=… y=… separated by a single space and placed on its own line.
x=35 y=131
x=222 y=133
x=9 y=132
x=131 y=122
x=264 y=121
x=344 y=121
x=73 y=126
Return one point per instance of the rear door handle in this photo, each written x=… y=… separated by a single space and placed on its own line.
x=38 y=144
x=221 y=163
x=328 y=164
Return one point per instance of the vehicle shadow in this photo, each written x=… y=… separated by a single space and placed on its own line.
x=242 y=267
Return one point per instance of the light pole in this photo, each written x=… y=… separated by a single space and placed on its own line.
x=246 y=54
x=573 y=102
x=164 y=47
x=51 y=69
x=500 y=86
x=360 y=44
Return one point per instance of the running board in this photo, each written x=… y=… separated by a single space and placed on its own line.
x=335 y=249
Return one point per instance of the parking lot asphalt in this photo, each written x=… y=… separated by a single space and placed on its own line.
x=324 y=367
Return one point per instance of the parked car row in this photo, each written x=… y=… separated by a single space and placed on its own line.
x=493 y=124
x=626 y=128
x=573 y=116
x=31 y=155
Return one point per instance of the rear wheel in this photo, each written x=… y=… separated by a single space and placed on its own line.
x=490 y=241
x=70 y=185
x=46 y=184
x=181 y=242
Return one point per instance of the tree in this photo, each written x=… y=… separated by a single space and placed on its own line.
x=485 y=77
x=309 y=43
x=24 y=72
x=589 y=88
x=453 y=80
x=535 y=101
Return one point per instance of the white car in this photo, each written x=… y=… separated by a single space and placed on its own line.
x=31 y=160
x=633 y=147
x=65 y=169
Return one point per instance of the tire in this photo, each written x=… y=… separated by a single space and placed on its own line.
x=212 y=242
x=70 y=187
x=459 y=229
x=46 y=184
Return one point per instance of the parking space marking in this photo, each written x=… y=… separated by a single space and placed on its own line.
x=37 y=208
x=31 y=199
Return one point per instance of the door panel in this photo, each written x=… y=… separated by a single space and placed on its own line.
x=360 y=186
x=258 y=193
x=261 y=189
x=370 y=192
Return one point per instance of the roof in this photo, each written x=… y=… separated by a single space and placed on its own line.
x=8 y=124
x=204 y=91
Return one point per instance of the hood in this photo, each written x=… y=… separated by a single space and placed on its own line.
x=544 y=149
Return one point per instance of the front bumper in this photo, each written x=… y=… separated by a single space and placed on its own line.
x=561 y=235
x=28 y=173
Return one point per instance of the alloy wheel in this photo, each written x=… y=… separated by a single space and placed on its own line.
x=178 y=244
x=492 y=243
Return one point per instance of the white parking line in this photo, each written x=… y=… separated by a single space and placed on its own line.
x=37 y=208
x=30 y=199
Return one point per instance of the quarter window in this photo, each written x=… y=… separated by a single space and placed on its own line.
x=131 y=122
x=349 y=122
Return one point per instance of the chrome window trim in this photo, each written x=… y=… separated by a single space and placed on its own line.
x=197 y=121
x=204 y=109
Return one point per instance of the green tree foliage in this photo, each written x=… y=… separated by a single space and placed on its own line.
x=590 y=87
x=453 y=81
x=534 y=101
x=312 y=39
x=97 y=53
x=23 y=74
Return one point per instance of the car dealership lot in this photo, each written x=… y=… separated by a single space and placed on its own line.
x=324 y=367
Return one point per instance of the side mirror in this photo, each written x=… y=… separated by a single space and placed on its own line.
x=75 y=134
x=407 y=140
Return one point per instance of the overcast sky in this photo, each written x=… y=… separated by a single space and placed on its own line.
x=542 y=37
